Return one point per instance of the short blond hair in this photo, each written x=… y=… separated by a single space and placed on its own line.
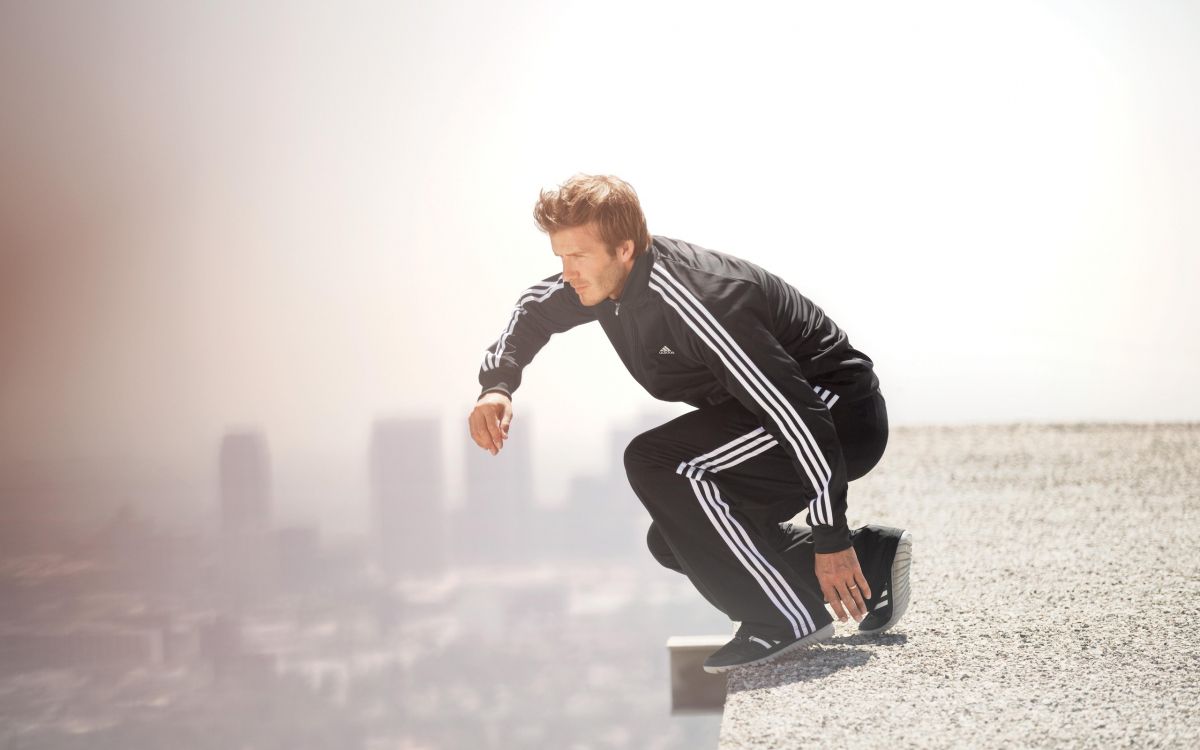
x=608 y=201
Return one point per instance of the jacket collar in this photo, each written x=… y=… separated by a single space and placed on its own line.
x=636 y=288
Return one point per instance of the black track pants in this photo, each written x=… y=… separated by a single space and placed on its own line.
x=728 y=530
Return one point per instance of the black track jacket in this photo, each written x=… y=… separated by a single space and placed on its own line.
x=699 y=326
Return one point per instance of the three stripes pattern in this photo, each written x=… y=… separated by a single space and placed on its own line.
x=768 y=577
x=762 y=390
x=539 y=292
x=828 y=397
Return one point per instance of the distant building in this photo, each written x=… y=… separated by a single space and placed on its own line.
x=597 y=521
x=248 y=559
x=408 y=497
x=602 y=517
x=498 y=523
x=245 y=469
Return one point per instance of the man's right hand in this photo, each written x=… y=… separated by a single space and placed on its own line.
x=489 y=421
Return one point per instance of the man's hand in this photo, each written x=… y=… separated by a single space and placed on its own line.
x=842 y=583
x=489 y=421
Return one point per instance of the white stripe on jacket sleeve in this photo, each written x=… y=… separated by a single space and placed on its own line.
x=539 y=292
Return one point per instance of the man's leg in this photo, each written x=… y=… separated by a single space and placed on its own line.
x=713 y=520
x=862 y=428
x=862 y=431
x=884 y=553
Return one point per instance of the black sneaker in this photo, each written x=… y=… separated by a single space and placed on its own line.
x=885 y=555
x=746 y=649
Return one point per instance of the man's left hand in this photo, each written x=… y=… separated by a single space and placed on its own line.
x=842 y=583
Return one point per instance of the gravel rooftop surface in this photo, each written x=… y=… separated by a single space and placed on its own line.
x=1056 y=600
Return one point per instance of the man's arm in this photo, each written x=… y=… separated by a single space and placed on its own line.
x=727 y=330
x=542 y=310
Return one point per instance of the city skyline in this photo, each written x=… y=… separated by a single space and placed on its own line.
x=385 y=636
x=241 y=492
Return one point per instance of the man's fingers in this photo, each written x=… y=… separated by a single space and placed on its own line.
x=835 y=603
x=473 y=430
x=493 y=428
x=846 y=602
x=482 y=434
x=858 y=607
x=846 y=594
x=863 y=586
x=498 y=419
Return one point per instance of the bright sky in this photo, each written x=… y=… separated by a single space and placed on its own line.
x=302 y=219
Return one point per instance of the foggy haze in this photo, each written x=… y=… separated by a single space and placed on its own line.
x=301 y=220
x=251 y=256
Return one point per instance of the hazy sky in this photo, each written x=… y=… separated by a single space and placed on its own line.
x=303 y=216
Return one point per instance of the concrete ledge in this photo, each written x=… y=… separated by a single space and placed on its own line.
x=1056 y=596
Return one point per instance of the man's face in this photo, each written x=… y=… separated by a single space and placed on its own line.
x=592 y=271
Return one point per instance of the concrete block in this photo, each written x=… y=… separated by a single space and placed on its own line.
x=692 y=689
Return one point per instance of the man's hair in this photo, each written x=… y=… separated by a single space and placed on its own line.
x=609 y=201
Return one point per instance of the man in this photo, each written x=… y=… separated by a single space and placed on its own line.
x=787 y=412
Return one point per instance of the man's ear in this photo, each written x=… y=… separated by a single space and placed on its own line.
x=625 y=250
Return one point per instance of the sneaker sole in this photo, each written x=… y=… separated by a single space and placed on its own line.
x=901 y=564
x=815 y=637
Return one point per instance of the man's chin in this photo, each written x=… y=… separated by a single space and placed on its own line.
x=586 y=299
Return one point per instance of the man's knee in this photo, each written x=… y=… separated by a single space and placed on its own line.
x=642 y=455
x=660 y=550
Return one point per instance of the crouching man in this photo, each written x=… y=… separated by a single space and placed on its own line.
x=787 y=412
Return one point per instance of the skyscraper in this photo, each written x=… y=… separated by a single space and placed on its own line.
x=408 y=496
x=245 y=469
x=245 y=507
x=498 y=517
x=602 y=517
